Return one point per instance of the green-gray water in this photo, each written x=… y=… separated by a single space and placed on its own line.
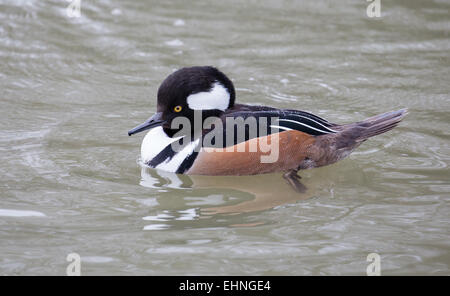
x=72 y=87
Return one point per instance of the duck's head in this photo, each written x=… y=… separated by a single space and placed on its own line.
x=186 y=91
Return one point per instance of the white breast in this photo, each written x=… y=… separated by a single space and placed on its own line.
x=172 y=165
x=156 y=140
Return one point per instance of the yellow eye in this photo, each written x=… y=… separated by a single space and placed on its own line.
x=177 y=108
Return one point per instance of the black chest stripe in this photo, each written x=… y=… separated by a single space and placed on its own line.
x=166 y=153
x=187 y=163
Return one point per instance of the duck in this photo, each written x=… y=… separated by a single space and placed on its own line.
x=199 y=129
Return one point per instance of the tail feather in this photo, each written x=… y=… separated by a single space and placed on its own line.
x=350 y=136
x=377 y=124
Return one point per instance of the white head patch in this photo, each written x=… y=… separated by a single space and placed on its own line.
x=217 y=98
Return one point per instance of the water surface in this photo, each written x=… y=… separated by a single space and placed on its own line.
x=72 y=87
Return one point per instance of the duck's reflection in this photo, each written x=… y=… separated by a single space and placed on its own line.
x=152 y=178
x=244 y=194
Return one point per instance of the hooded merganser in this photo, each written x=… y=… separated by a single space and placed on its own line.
x=302 y=140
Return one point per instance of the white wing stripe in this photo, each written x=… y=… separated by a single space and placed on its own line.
x=308 y=126
x=329 y=129
x=281 y=127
